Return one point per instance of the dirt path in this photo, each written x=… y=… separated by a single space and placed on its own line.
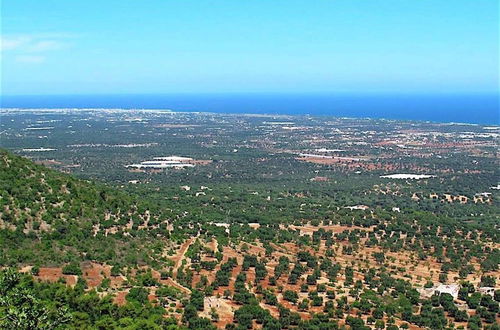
x=177 y=259
x=174 y=283
x=180 y=255
x=215 y=245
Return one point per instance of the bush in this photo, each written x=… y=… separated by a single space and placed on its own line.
x=139 y=295
x=35 y=270
x=72 y=269
x=290 y=296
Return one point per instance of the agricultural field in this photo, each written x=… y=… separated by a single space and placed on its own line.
x=278 y=222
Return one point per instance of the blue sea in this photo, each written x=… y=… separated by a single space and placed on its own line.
x=462 y=108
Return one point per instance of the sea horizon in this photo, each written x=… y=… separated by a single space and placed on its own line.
x=443 y=108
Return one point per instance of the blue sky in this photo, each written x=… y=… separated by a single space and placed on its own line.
x=285 y=46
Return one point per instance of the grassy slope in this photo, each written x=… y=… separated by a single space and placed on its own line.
x=47 y=217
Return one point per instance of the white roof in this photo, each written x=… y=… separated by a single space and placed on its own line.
x=153 y=162
x=451 y=289
x=174 y=158
x=407 y=176
x=160 y=165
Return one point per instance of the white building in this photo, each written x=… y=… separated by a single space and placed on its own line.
x=487 y=290
x=178 y=159
x=164 y=162
x=451 y=289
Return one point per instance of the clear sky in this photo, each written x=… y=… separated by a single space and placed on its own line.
x=201 y=46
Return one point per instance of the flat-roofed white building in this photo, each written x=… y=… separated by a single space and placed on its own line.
x=159 y=165
x=164 y=162
x=156 y=162
x=174 y=158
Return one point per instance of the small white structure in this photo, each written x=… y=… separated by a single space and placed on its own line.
x=357 y=207
x=39 y=128
x=487 y=290
x=222 y=224
x=407 y=176
x=451 y=289
x=38 y=149
x=329 y=150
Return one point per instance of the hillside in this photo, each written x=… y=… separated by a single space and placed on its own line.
x=170 y=259
x=52 y=217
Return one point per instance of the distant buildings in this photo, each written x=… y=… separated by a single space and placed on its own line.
x=38 y=149
x=164 y=162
